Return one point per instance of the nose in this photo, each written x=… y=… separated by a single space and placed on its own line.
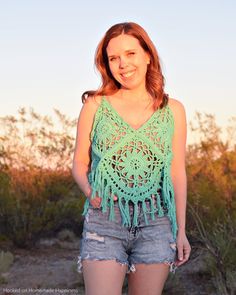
x=123 y=62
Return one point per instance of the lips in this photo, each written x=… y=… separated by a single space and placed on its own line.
x=127 y=74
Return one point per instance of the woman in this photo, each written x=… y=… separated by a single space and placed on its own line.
x=129 y=161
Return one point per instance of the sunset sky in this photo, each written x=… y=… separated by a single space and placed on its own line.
x=47 y=49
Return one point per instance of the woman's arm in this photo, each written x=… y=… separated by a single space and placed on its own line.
x=179 y=179
x=81 y=159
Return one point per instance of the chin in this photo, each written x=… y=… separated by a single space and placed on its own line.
x=131 y=86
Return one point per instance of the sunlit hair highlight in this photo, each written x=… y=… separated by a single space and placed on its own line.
x=154 y=77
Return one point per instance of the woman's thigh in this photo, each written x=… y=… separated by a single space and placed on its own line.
x=104 y=277
x=148 y=279
x=103 y=260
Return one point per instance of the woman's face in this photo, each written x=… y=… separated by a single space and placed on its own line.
x=127 y=61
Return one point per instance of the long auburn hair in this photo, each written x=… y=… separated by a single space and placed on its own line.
x=154 y=77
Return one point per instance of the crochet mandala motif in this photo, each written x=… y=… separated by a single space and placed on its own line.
x=132 y=164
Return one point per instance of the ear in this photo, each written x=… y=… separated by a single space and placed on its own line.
x=148 y=58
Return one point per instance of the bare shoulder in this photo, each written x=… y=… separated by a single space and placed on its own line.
x=93 y=101
x=89 y=110
x=91 y=105
x=177 y=107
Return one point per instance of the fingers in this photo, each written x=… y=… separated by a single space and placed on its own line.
x=180 y=255
x=180 y=252
x=187 y=252
x=180 y=262
x=96 y=202
x=184 y=251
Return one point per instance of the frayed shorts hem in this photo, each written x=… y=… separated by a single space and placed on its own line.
x=131 y=266
x=80 y=267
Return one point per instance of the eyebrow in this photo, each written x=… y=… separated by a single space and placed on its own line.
x=126 y=51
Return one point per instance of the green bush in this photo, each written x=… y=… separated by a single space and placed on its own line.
x=211 y=169
x=54 y=203
x=38 y=195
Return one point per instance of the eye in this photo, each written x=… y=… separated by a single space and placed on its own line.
x=112 y=58
x=131 y=53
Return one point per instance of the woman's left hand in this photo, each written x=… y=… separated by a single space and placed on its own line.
x=183 y=249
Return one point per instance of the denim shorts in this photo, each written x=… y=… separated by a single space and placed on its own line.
x=103 y=239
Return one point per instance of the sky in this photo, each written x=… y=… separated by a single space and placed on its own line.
x=47 y=51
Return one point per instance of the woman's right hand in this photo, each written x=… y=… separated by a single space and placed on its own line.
x=96 y=202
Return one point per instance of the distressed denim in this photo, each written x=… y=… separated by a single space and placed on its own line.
x=103 y=239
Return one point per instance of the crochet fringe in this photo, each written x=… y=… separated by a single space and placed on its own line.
x=101 y=187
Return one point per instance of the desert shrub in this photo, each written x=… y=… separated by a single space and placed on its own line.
x=211 y=169
x=38 y=194
x=30 y=140
x=39 y=206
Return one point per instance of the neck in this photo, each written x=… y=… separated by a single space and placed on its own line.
x=134 y=94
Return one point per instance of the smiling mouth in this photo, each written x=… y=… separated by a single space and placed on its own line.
x=127 y=74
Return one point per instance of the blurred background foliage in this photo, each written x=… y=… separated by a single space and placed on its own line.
x=39 y=197
x=211 y=214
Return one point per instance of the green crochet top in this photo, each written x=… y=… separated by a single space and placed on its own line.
x=133 y=164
